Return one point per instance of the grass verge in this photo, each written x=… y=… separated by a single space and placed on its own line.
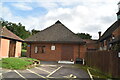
x=17 y=63
x=96 y=73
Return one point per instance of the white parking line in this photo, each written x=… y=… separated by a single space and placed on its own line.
x=42 y=70
x=54 y=71
x=20 y=74
x=36 y=73
x=49 y=65
x=0 y=76
x=90 y=74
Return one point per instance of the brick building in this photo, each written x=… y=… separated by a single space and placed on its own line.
x=10 y=44
x=91 y=45
x=55 y=43
x=110 y=40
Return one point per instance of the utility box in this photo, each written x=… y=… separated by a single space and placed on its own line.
x=79 y=61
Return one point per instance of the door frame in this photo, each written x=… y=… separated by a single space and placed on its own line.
x=12 y=48
x=63 y=51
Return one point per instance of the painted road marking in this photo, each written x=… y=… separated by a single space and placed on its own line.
x=42 y=70
x=49 y=65
x=53 y=71
x=70 y=76
x=1 y=74
x=90 y=74
x=20 y=74
x=36 y=73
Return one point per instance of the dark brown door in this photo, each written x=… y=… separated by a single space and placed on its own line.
x=12 y=48
x=67 y=52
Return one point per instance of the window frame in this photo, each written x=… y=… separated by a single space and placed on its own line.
x=36 y=49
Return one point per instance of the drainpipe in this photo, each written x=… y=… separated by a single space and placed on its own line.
x=79 y=51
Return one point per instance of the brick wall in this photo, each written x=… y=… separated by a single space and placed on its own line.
x=53 y=55
x=117 y=32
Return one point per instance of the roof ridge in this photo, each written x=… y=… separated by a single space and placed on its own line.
x=56 y=32
x=110 y=29
x=9 y=35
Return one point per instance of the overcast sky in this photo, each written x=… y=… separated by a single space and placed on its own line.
x=83 y=16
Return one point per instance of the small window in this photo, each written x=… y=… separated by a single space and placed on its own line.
x=36 y=49
x=53 y=47
x=43 y=49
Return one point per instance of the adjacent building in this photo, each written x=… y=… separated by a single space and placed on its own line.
x=10 y=44
x=55 y=43
x=110 y=40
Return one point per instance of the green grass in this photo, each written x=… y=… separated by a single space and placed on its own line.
x=17 y=63
x=24 y=51
x=96 y=73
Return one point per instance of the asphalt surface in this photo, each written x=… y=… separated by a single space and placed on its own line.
x=46 y=71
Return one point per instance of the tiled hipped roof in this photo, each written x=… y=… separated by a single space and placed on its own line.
x=5 y=33
x=55 y=33
x=109 y=31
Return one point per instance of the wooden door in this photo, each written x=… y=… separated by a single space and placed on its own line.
x=67 y=52
x=12 y=48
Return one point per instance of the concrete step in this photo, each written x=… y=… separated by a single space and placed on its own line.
x=66 y=62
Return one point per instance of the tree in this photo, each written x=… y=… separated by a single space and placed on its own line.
x=34 y=31
x=17 y=29
x=84 y=35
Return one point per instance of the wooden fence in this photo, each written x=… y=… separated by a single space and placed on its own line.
x=106 y=61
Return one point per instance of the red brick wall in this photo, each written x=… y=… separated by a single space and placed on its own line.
x=116 y=33
x=83 y=50
x=53 y=55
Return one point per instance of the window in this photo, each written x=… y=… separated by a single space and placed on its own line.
x=42 y=49
x=113 y=37
x=36 y=49
x=53 y=47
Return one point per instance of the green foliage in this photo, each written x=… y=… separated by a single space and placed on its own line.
x=23 y=53
x=0 y=63
x=17 y=63
x=84 y=35
x=17 y=29
x=116 y=47
x=34 y=31
x=96 y=73
x=24 y=46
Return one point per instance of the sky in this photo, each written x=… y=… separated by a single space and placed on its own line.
x=80 y=16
